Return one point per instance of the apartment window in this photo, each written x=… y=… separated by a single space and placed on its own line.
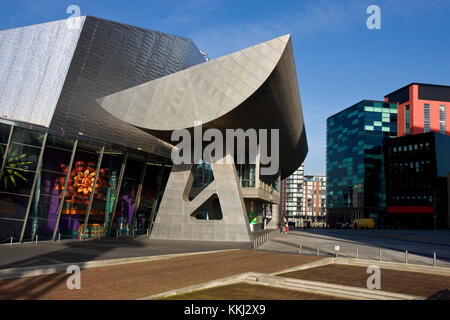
x=442 y=119
x=407 y=119
x=426 y=120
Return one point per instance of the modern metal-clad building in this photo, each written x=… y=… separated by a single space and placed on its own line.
x=86 y=111
x=252 y=89
x=417 y=168
x=355 y=170
x=422 y=108
x=50 y=77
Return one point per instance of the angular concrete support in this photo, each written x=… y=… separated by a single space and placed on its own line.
x=176 y=216
x=276 y=217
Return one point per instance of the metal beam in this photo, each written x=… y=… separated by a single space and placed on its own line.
x=33 y=187
x=66 y=183
x=91 y=198
x=155 y=202
x=119 y=185
x=137 y=201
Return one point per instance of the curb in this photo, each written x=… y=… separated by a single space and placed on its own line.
x=313 y=287
x=329 y=289
x=442 y=271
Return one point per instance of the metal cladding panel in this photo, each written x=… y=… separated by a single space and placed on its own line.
x=434 y=92
x=253 y=88
x=111 y=57
x=33 y=65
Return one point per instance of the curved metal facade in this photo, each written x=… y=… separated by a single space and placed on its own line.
x=253 y=88
x=110 y=57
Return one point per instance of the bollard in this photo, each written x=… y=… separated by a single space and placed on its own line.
x=379 y=254
x=434 y=259
x=117 y=233
x=406 y=256
x=357 y=252
x=59 y=237
x=37 y=236
x=318 y=249
x=10 y=244
x=300 y=252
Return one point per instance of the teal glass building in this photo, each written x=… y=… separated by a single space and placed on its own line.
x=354 y=155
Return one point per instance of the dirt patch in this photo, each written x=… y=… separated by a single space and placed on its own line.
x=245 y=291
x=413 y=283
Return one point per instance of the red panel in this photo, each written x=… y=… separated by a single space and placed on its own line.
x=410 y=209
x=416 y=108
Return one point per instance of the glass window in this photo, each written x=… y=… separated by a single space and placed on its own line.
x=407 y=120
x=102 y=206
x=78 y=191
x=442 y=119
x=18 y=174
x=27 y=136
x=12 y=215
x=426 y=117
x=17 y=177
x=49 y=186
x=4 y=133
x=127 y=196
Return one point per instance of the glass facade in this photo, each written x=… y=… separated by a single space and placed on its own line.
x=53 y=186
x=246 y=175
x=416 y=188
x=354 y=155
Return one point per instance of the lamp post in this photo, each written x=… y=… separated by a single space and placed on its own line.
x=434 y=207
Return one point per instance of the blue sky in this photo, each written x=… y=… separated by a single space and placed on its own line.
x=339 y=60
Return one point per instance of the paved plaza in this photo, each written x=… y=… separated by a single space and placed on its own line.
x=140 y=268
x=137 y=280
x=74 y=251
x=420 y=244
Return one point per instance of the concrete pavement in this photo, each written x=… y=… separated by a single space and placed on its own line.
x=74 y=251
x=420 y=244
